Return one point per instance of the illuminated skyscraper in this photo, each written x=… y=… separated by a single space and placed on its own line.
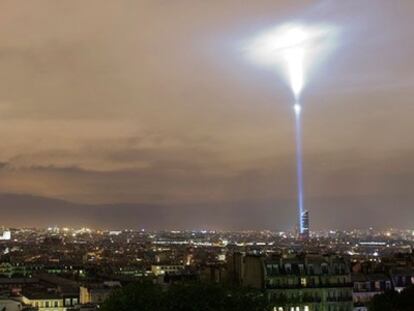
x=304 y=224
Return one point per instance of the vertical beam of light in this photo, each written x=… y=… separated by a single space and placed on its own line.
x=294 y=55
x=294 y=47
x=295 y=63
x=299 y=165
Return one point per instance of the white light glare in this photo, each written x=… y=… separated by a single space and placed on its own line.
x=294 y=61
x=297 y=108
x=293 y=47
x=292 y=43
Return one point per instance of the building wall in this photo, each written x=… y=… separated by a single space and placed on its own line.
x=299 y=283
x=162 y=269
x=45 y=304
x=253 y=272
x=93 y=295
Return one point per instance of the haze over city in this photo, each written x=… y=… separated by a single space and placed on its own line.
x=148 y=114
x=195 y=155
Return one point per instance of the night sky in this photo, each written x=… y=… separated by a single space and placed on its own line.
x=149 y=114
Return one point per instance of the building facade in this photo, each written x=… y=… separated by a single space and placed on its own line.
x=304 y=226
x=44 y=301
x=366 y=286
x=301 y=283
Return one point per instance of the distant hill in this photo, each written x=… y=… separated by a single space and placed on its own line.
x=27 y=210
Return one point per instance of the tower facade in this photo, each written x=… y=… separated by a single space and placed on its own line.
x=304 y=225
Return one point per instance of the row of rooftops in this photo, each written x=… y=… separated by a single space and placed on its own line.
x=306 y=265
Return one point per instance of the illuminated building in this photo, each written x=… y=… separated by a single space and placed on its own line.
x=9 y=270
x=44 y=301
x=163 y=269
x=304 y=225
x=97 y=293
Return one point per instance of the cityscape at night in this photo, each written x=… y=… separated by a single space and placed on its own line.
x=197 y=155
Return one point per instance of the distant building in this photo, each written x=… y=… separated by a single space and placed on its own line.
x=301 y=283
x=217 y=273
x=15 y=285
x=43 y=301
x=304 y=219
x=97 y=293
x=12 y=270
x=402 y=277
x=158 y=270
x=236 y=268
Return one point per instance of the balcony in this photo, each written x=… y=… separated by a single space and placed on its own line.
x=299 y=286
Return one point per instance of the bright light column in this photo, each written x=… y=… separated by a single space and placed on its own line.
x=291 y=45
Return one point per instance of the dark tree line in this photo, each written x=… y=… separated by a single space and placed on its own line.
x=393 y=301
x=196 y=296
x=185 y=297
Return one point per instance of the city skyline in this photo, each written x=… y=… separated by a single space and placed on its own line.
x=144 y=115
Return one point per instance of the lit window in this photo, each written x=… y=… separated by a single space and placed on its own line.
x=303 y=281
x=306 y=308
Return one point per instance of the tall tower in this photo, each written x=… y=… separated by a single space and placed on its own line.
x=304 y=225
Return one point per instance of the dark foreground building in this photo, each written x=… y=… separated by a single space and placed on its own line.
x=300 y=283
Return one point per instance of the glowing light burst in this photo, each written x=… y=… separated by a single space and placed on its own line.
x=293 y=47
x=293 y=50
x=294 y=59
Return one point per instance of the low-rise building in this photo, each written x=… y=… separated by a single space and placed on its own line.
x=12 y=270
x=366 y=286
x=301 y=283
x=402 y=277
x=97 y=293
x=43 y=301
